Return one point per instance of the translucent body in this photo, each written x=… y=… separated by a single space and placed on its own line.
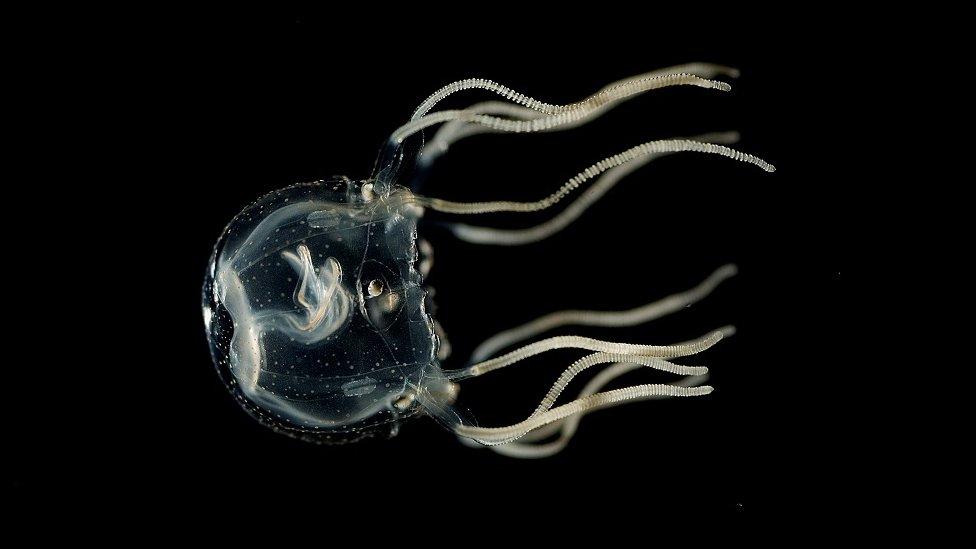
x=315 y=312
x=315 y=307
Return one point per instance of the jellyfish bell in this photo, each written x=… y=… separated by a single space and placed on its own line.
x=316 y=313
x=320 y=324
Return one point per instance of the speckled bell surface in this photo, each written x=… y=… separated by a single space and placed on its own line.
x=315 y=311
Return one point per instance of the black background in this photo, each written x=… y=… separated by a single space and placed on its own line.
x=226 y=108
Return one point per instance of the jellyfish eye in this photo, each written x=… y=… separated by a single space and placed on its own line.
x=375 y=287
x=381 y=294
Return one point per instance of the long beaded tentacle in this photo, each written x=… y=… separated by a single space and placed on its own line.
x=642 y=150
x=611 y=319
x=516 y=237
x=456 y=130
x=557 y=115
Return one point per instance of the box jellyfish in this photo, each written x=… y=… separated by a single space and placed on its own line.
x=321 y=326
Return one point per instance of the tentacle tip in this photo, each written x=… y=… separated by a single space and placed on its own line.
x=722 y=86
x=769 y=168
x=728 y=270
x=726 y=331
x=707 y=389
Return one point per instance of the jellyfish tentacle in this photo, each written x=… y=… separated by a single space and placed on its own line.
x=491 y=436
x=488 y=85
x=692 y=347
x=455 y=130
x=516 y=237
x=596 y=359
x=703 y=70
x=530 y=446
x=632 y=355
x=634 y=153
x=611 y=319
x=599 y=381
x=604 y=358
x=556 y=115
